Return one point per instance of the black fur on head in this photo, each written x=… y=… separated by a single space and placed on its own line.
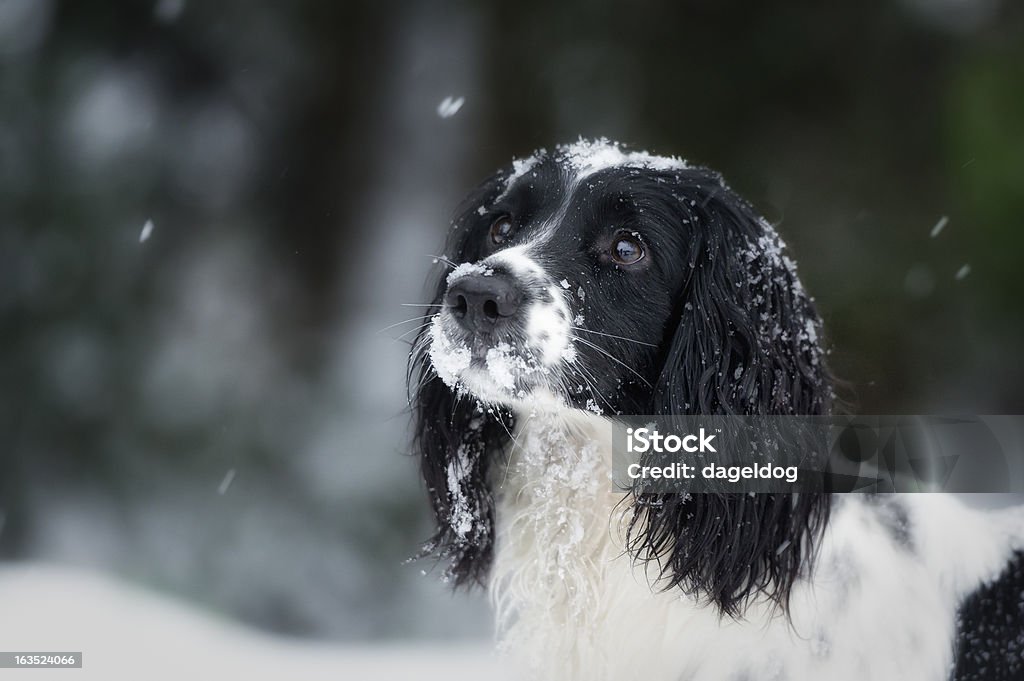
x=711 y=320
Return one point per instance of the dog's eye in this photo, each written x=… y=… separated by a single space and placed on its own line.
x=627 y=250
x=502 y=229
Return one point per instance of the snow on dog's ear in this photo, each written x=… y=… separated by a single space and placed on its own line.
x=746 y=338
x=456 y=441
x=746 y=341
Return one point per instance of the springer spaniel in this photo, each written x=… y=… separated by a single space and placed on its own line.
x=594 y=281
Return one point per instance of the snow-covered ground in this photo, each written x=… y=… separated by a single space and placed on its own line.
x=127 y=633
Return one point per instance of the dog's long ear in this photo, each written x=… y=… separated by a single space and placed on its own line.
x=747 y=338
x=456 y=439
x=747 y=341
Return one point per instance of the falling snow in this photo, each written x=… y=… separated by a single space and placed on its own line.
x=147 y=230
x=450 y=106
x=229 y=477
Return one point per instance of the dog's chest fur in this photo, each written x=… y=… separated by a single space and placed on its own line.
x=881 y=602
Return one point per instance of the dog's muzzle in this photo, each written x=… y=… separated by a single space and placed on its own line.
x=502 y=330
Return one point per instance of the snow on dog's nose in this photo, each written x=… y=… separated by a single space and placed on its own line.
x=546 y=316
x=503 y=328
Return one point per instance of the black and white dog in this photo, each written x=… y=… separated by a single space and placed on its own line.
x=593 y=281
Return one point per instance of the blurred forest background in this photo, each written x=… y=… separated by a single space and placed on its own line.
x=214 y=411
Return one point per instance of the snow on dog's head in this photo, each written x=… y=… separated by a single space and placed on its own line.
x=515 y=322
x=578 y=273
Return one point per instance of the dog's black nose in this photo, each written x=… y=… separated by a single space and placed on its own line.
x=480 y=301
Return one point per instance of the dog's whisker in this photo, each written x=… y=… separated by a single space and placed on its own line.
x=426 y=378
x=422 y=305
x=613 y=358
x=414 y=330
x=597 y=393
x=441 y=258
x=508 y=461
x=612 y=335
x=404 y=321
x=589 y=382
x=515 y=445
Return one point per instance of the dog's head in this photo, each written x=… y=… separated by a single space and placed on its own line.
x=614 y=281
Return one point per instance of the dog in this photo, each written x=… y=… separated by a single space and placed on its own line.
x=593 y=281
